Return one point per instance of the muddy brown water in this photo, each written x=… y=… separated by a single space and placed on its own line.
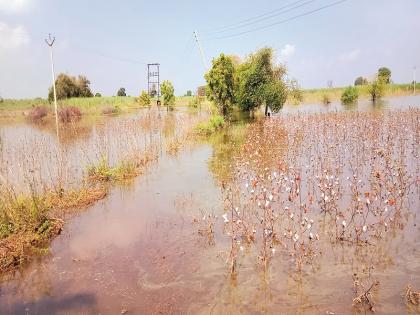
x=138 y=252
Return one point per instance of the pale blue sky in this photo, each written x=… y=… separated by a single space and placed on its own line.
x=110 y=41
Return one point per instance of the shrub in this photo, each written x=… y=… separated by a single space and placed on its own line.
x=69 y=114
x=215 y=123
x=167 y=89
x=38 y=113
x=350 y=95
x=376 y=89
x=144 y=99
x=98 y=95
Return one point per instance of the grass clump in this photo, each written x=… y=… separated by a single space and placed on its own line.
x=350 y=95
x=126 y=169
x=28 y=223
x=215 y=123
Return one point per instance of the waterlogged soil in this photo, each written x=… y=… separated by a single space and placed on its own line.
x=142 y=250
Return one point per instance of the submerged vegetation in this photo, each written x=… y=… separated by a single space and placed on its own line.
x=215 y=123
x=306 y=185
x=350 y=95
x=45 y=188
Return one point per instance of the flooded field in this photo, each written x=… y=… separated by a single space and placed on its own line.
x=314 y=212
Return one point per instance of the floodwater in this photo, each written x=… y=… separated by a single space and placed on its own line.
x=387 y=103
x=139 y=251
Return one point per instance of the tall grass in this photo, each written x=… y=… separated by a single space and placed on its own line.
x=334 y=94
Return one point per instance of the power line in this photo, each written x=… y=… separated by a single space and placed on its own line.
x=262 y=17
x=279 y=22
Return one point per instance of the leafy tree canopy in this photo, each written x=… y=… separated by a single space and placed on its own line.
x=121 y=92
x=67 y=86
x=221 y=83
x=361 y=81
x=384 y=74
x=168 y=91
x=260 y=82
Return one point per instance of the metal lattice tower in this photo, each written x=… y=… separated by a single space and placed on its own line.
x=153 y=80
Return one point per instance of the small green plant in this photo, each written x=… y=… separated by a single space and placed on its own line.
x=215 y=123
x=350 y=95
x=168 y=94
x=103 y=172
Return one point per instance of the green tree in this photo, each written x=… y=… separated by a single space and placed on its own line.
x=168 y=91
x=260 y=82
x=121 y=92
x=221 y=84
x=83 y=86
x=189 y=93
x=384 y=74
x=68 y=86
x=377 y=89
x=98 y=94
x=360 y=81
x=144 y=99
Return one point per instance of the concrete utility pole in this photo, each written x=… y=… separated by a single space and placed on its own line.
x=203 y=57
x=50 y=42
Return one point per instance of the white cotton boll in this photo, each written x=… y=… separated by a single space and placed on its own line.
x=364 y=228
x=270 y=197
x=267 y=203
x=344 y=223
x=225 y=217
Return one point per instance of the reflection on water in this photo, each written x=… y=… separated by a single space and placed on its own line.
x=391 y=103
x=31 y=156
